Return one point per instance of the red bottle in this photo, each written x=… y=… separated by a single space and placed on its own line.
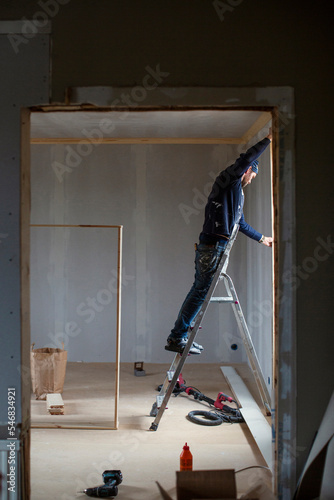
x=186 y=459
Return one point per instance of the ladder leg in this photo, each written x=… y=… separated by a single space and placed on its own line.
x=164 y=387
x=170 y=386
x=248 y=344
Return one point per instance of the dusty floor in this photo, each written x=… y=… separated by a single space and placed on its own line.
x=64 y=461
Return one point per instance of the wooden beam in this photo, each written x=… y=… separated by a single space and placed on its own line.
x=25 y=206
x=118 y=322
x=70 y=108
x=80 y=427
x=137 y=140
x=258 y=125
x=72 y=225
x=276 y=212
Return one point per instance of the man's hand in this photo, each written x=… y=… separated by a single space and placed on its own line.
x=268 y=241
x=270 y=135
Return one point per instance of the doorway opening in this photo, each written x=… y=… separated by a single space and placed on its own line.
x=148 y=170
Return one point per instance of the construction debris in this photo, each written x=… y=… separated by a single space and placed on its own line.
x=54 y=404
x=139 y=369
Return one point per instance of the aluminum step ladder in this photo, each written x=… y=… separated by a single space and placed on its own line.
x=175 y=369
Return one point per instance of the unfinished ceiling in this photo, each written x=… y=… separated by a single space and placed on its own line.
x=193 y=126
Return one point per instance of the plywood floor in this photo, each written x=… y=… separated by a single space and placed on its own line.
x=64 y=461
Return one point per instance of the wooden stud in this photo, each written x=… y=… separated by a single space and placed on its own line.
x=71 y=225
x=137 y=140
x=25 y=298
x=73 y=427
x=276 y=274
x=118 y=321
x=69 y=108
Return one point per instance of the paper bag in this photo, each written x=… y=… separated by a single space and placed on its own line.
x=48 y=370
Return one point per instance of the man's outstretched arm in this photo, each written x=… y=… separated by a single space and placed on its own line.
x=245 y=159
x=249 y=231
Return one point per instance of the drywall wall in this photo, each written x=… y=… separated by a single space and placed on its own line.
x=24 y=81
x=32 y=67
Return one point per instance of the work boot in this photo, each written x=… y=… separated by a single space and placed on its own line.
x=197 y=346
x=178 y=345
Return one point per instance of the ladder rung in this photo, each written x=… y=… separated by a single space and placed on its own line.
x=160 y=400
x=221 y=299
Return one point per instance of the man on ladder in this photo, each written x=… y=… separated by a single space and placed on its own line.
x=224 y=209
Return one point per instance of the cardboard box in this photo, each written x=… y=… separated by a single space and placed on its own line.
x=213 y=484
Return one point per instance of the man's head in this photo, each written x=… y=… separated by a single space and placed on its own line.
x=255 y=166
x=250 y=174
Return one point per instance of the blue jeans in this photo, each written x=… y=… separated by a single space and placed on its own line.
x=207 y=259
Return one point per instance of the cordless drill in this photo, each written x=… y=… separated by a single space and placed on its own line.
x=111 y=479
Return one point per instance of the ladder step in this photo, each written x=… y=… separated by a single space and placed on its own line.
x=160 y=400
x=221 y=299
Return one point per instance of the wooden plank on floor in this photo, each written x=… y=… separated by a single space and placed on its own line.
x=254 y=418
x=55 y=404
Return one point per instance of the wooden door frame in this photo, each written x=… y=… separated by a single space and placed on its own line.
x=280 y=102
